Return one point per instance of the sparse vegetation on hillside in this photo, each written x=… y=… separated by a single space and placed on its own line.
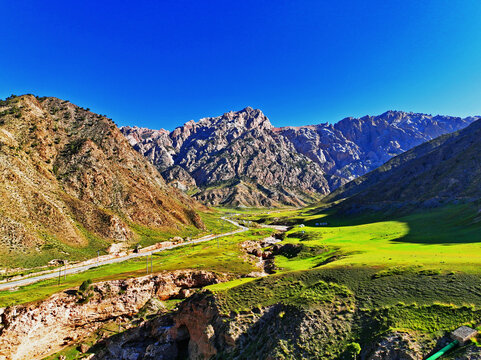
x=371 y=306
x=73 y=185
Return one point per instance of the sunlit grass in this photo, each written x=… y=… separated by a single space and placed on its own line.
x=444 y=238
x=221 y=255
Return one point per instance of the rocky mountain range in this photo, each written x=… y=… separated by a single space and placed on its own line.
x=241 y=159
x=70 y=182
x=442 y=171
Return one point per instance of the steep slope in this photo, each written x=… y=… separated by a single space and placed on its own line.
x=444 y=170
x=241 y=159
x=71 y=182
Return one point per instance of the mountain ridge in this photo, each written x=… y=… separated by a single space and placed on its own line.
x=314 y=159
x=441 y=171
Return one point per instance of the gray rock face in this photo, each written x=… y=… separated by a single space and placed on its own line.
x=240 y=159
x=155 y=145
x=235 y=158
x=441 y=171
x=353 y=147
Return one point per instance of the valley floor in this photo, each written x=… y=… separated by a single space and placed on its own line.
x=111 y=259
x=340 y=286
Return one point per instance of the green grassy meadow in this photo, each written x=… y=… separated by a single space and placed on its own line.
x=439 y=240
x=447 y=239
x=418 y=272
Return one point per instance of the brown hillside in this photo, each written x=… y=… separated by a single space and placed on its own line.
x=68 y=176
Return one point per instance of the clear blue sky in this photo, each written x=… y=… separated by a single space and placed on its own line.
x=162 y=63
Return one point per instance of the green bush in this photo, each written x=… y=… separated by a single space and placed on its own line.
x=84 y=292
x=353 y=349
x=85 y=285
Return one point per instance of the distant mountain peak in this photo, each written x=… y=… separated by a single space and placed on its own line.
x=441 y=171
x=247 y=118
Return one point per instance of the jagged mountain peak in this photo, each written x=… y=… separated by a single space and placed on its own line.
x=443 y=170
x=389 y=116
x=233 y=122
x=247 y=118
x=398 y=113
x=144 y=129
x=135 y=134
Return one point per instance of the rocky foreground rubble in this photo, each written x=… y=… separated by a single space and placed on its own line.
x=65 y=319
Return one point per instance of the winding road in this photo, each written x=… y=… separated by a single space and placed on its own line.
x=81 y=268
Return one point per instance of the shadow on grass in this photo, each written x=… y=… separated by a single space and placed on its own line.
x=450 y=224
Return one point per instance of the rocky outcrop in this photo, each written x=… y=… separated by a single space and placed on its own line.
x=299 y=316
x=64 y=319
x=234 y=159
x=200 y=330
x=240 y=159
x=151 y=340
x=261 y=254
x=68 y=176
x=397 y=345
x=155 y=145
x=353 y=147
